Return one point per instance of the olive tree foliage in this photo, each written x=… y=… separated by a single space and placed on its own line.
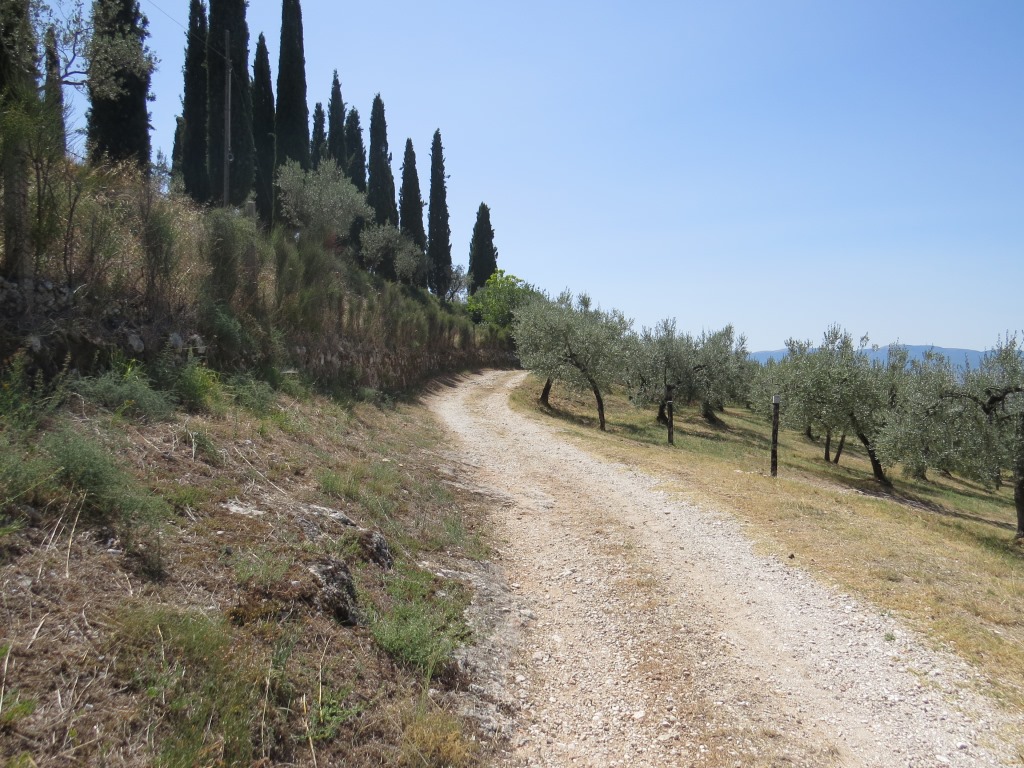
x=385 y=244
x=497 y=301
x=836 y=389
x=971 y=423
x=928 y=430
x=572 y=341
x=323 y=203
x=711 y=369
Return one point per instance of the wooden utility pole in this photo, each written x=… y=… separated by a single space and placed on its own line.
x=227 y=113
x=775 y=436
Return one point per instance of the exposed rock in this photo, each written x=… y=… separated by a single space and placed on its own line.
x=337 y=593
x=376 y=548
x=373 y=544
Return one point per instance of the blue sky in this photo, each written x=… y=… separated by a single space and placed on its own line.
x=780 y=166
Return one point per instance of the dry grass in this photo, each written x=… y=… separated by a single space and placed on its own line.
x=939 y=553
x=226 y=656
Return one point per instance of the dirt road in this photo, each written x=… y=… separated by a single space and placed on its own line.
x=654 y=636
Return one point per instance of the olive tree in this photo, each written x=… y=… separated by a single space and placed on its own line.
x=971 y=423
x=836 y=388
x=572 y=341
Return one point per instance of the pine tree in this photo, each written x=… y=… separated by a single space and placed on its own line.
x=53 y=92
x=380 y=182
x=195 y=173
x=292 y=110
x=229 y=16
x=439 y=244
x=118 y=118
x=483 y=256
x=336 y=125
x=318 y=141
x=356 y=162
x=263 y=131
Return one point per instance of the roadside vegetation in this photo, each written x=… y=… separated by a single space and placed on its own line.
x=252 y=579
x=937 y=550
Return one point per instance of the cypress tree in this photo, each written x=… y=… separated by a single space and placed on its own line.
x=292 y=110
x=380 y=182
x=410 y=203
x=483 y=256
x=318 y=142
x=53 y=92
x=18 y=79
x=176 y=149
x=229 y=16
x=118 y=120
x=439 y=243
x=195 y=174
x=356 y=163
x=263 y=131
x=336 y=126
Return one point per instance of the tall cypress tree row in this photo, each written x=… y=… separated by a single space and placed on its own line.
x=356 y=163
x=439 y=243
x=195 y=174
x=292 y=110
x=336 y=126
x=483 y=256
x=318 y=141
x=229 y=16
x=118 y=118
x=263 y=131
x=380 y=182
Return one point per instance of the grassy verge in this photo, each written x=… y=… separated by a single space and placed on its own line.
x=939 y=552
x=205 y=571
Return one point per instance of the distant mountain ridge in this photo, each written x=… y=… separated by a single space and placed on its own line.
x=959 y=357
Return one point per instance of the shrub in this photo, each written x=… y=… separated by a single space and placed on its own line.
x=126 y=391
x=198 y=388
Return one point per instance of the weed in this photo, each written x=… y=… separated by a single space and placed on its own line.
x=26 y=476
x=339 y=485
x=186 y=497
x=109 y=494
x=261 y=569
x=14 y=708
x=199 y=389
x=202 y=691
x=126 y=390
x=256 y=396
x=25 y=398
x=331 y=713
x=424 y=624
x=433 y=738
x=203 y=446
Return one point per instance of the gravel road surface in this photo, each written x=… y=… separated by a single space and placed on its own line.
x=649 y=633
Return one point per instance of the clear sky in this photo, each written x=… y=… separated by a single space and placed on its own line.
x=780 y=166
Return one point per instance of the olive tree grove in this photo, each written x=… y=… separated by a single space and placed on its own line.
x=573 y=342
